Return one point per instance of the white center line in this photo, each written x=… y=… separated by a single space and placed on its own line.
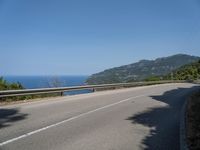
x=67 y=120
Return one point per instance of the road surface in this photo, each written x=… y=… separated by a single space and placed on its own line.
x=125 y=119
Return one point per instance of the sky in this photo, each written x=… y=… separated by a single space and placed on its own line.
x=82 y=37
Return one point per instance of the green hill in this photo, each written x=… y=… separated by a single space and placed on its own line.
x=187 y=72
x=141 y=70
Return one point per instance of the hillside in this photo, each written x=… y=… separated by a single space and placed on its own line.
x=186 y=72
x=141 y=70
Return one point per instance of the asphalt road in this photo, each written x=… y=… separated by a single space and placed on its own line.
x=126 y=119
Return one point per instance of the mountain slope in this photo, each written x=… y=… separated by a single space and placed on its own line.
x=140 y=70
x=186 y=72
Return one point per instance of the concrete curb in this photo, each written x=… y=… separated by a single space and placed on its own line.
x=183 y=138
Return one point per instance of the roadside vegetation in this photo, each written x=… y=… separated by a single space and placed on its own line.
x=154 y=78
x=5 y=85
x=186 y=72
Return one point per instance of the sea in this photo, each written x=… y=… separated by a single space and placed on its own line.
x=33 y=82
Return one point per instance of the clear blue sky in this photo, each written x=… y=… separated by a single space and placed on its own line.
x=81 y=37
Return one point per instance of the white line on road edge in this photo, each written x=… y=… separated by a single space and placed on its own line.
x=67 y=120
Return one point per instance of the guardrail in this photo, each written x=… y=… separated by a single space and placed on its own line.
x=25 y=92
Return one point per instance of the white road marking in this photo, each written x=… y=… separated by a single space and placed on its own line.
x=67 y=120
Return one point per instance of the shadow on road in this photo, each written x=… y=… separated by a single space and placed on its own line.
x=8 y=116
x=163 y=121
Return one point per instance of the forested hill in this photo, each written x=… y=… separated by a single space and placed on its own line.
x=186 y=72
x=141 y=70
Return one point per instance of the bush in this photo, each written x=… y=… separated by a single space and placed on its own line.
x=153 y=78
x=4 y=85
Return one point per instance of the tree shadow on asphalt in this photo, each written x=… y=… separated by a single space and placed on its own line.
x=9 y=116
x=163 y=121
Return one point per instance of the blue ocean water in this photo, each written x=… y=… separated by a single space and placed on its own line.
x=32 y=82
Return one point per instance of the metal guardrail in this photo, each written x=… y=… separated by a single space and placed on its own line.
x=25 y=92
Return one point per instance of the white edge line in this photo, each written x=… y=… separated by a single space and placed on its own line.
x=64 y=121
